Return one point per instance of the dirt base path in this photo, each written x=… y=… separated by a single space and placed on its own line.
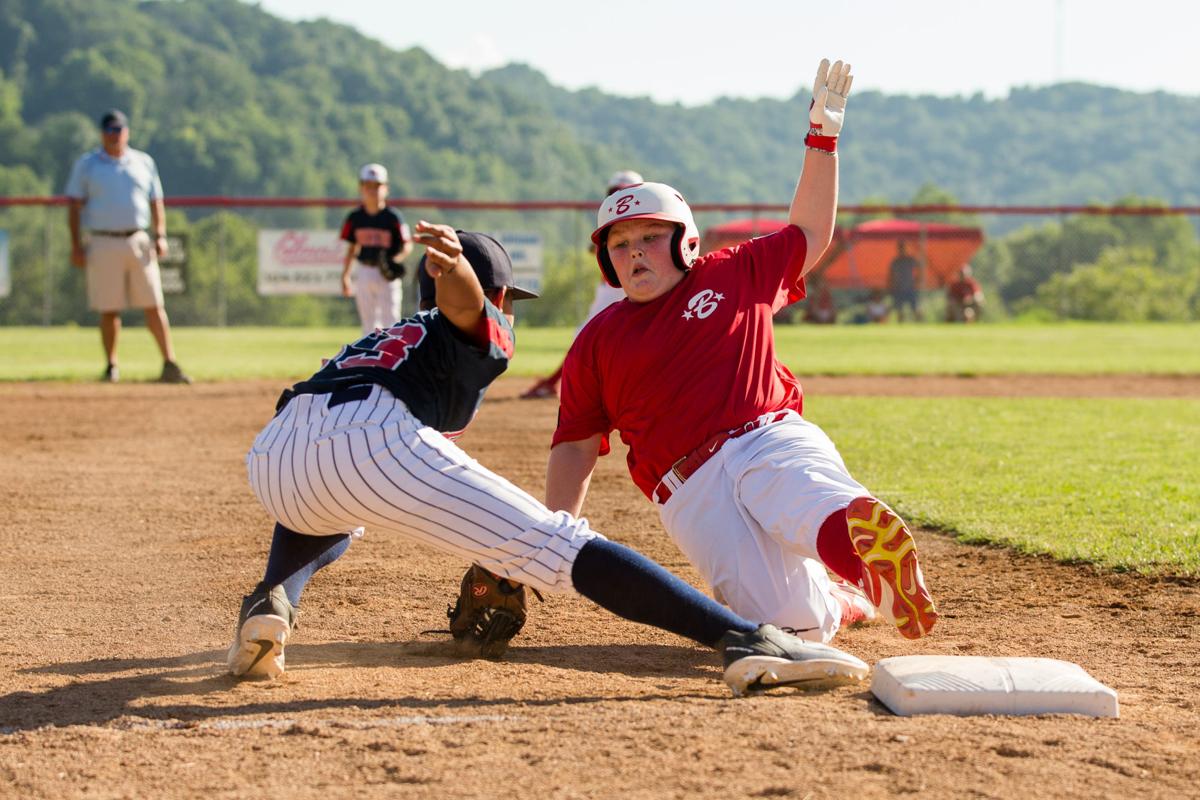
x=129 y=534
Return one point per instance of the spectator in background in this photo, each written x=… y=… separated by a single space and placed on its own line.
x=903 y=277
x=964 y=297
x=375 y=233
x=877 y=306
x=821 y=310
x=116 y=197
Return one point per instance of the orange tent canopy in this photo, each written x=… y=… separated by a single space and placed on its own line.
x=859 y=258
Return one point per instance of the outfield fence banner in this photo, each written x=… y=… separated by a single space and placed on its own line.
x=300 y=262
x=5 y=281
x=173 y=267
x=525 y=250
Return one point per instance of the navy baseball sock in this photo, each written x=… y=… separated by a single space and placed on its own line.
x=632 y=586
x=296 y=557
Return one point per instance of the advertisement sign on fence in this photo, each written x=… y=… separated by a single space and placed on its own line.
x=525 y=249
x=5 y=283
x=300 y=262
x=173 y=268
x=310 y=261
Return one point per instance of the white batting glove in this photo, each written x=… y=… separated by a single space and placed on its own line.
x=830 y=90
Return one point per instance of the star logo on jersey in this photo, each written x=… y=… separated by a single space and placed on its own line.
x=703 y=304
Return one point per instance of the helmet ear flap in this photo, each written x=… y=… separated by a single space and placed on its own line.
x=677 y=249
x=606 y=265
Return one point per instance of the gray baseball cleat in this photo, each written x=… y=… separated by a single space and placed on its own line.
x=264 y=626
x=767 y=658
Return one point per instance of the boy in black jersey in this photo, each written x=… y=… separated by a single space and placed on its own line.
x=366 y=442
x=374 y=232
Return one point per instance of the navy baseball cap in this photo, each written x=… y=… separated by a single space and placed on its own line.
x=113 y=118
x=490 y=261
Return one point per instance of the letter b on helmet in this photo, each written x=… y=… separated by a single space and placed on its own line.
x=647 y=201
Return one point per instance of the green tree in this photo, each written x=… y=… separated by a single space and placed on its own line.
x=1122 y=286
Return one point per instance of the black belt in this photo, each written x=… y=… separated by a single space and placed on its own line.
x=344 y=394
x=117 y=234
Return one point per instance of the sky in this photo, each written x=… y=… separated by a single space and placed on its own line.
x=694 y=52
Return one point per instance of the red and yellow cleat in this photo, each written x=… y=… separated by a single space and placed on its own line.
x=892 y=577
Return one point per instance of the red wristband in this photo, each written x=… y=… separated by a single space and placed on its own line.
x=826 y=144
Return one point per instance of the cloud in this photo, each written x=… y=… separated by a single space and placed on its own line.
x=480 y=51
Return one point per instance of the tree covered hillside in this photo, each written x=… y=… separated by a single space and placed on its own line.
x=232 y=100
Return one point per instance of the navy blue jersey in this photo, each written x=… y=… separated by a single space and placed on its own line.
x=439 y=373
x=375 y=234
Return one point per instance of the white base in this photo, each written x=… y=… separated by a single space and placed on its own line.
x=967 y=685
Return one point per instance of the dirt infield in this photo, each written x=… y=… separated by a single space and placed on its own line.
x=129 y=534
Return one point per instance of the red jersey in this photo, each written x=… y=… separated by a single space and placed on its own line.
x=698 y=360
x=962 y=289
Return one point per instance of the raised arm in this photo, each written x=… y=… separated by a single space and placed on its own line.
x=814 y=205
x=459 y=294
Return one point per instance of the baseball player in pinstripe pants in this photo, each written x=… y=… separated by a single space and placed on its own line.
x=367 y=443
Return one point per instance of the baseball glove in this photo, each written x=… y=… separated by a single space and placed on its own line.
x=389 y=269
x=489 y=612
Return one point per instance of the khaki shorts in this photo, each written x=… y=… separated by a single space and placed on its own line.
x=122 y=272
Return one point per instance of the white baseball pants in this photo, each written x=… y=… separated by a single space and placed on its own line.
x=748 y=521
x=370 y=463
x=377 y=299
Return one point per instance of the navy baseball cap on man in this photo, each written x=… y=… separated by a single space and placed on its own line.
x=490 y=261
x=113 y=118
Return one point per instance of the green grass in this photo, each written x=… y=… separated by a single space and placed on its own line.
x=1107 y=481
x=1064 y=348
x=75 y=354
x=71 y=353
x=1104 y=481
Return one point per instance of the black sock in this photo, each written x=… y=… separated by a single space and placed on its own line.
x=296 y=557
x=632 y=586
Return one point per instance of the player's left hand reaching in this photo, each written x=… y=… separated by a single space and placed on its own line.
x=830 y=90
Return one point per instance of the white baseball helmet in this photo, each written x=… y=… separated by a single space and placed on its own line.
x=623 y=179
x=647 y=201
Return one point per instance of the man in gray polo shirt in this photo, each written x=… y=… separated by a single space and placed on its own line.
x=116 y=197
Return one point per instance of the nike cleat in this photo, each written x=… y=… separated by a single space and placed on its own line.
x=264 y=626
x=856 y=608
x=768 y=658
x=892 y=578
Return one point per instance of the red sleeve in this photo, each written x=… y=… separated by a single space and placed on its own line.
x=777 y=260
x=347 y=234
x=498 y=334
x=581 y=412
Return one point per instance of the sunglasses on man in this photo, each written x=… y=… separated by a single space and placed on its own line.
x=114 y=129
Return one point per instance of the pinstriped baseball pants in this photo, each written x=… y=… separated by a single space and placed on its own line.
x=370 y=463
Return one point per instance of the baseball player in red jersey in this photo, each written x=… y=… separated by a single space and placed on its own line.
x=756 y=497
x=366 y=442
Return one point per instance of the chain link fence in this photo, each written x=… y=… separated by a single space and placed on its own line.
x=1124 y=263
